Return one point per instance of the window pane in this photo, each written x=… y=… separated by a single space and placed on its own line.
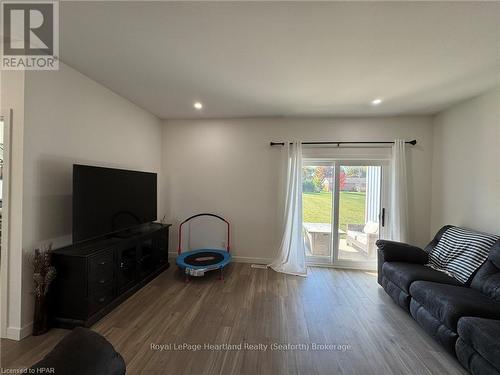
x=359 y=207
x=317 y=187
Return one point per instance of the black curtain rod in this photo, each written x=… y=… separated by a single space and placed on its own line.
x=413 y=143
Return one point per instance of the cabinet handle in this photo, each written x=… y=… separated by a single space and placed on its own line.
x=102 y=299
x=102 y=281
x=102 y=263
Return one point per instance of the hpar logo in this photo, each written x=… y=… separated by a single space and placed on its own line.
x=30 y=35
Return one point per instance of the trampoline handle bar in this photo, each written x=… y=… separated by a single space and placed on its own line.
x=228 y=246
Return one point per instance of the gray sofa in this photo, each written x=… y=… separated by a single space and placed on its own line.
x=461 y=317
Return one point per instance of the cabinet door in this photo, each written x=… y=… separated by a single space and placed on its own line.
x=127 y=264
x=162 y=246
x=147 y=258
x=160 y=252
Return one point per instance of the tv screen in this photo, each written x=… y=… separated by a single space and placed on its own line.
x=107 y=200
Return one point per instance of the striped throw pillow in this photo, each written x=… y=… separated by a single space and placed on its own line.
x=460 y=252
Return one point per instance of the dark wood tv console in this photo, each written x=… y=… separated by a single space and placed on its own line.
x=94 y=277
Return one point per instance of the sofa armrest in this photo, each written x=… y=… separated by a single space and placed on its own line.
x=391 y=251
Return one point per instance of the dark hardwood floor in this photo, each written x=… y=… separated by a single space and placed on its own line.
x=256 y=306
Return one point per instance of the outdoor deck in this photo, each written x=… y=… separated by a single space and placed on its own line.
x=320 y=234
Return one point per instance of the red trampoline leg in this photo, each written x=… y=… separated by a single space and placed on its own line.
x=187 y=279
x=221 y=275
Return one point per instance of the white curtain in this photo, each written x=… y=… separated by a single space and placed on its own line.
x=291 y=257
x=399 y=195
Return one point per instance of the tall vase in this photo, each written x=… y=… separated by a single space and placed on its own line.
x=41 y=320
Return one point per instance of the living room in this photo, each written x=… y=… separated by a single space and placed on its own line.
x=319 y=137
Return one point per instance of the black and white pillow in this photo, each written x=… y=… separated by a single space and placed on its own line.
x=460 y=252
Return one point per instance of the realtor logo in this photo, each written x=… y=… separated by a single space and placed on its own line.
x=30 y=35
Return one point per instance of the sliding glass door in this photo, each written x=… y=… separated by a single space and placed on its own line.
x=344 y=206
x=317 y=210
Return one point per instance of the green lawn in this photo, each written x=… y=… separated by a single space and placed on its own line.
x=317 y=208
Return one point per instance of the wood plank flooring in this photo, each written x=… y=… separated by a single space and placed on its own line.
x=256 y=306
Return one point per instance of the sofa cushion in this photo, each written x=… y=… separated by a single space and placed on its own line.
x=431 y=245
x=398 y=295
x=371 y=227
x=483 y=336
x=403 y=274
x=494 y=255
x=472 y=360
x=433 y=327
x=460 y=252
x=448 y=303
x=487 y=279
x=391 y=251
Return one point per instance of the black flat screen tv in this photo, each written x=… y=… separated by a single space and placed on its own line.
x=107 y=200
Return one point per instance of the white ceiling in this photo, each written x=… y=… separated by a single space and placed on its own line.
x=245 y=59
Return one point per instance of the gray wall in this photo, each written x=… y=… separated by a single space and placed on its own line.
x=466 y=165
x=71 y=119
x=227 y=166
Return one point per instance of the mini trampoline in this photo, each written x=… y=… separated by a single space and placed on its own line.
x=197 y=262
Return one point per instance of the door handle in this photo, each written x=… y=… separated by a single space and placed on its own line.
x=382 y=217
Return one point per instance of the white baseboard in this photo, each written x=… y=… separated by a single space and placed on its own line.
x=240 y=259
x=355 y=267
x=237 y=259
x=19 y=333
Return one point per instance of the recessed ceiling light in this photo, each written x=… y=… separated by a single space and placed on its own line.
x=376 y=101
x=198 y=105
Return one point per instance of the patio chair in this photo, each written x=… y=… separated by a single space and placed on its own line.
x=362 y=237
